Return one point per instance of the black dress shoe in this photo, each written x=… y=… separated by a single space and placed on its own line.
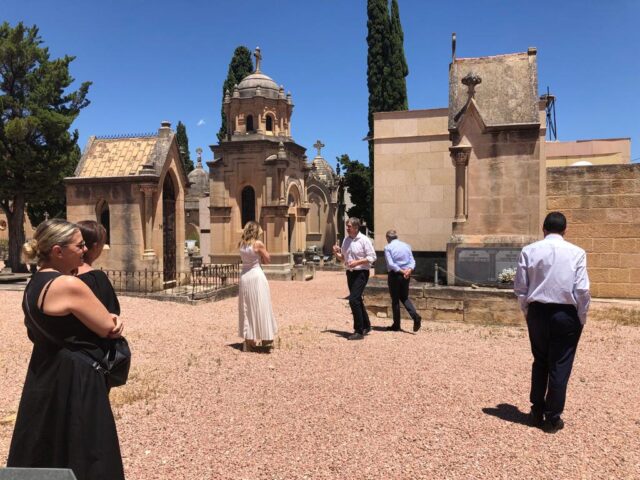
x=393 y=329
x=536 y=417
x=553 y=425
x=366 y=331
x=417 y=322
x=355 y=336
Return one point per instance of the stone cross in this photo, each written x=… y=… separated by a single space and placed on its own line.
x=318 y=146
x=258 y=56
x=46 y=216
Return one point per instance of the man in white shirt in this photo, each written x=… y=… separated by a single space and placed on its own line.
x=358 y=254
x=552 y=286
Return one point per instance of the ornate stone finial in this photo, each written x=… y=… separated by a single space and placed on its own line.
x=258 y=56
x=236 y=91
x=199 y=153
x=282 y=154
x=471 y=80
x=318 y=146
x=227 y=96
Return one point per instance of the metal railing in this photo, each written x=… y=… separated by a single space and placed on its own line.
x=198 y=282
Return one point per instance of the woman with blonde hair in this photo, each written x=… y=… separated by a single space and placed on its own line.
x=64 y=418
x=256 y=319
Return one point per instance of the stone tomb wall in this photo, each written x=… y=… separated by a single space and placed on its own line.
x=602 y=205
x=446 y=304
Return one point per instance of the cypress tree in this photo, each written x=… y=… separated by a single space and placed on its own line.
x=239 y=67
x=183 y=145
x=377 y=54
x=398 y=69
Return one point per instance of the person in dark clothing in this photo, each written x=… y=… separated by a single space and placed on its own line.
x=64 y=417
x=94 y=236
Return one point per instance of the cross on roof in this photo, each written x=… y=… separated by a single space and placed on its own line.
x=258 y=56
x=318 y=145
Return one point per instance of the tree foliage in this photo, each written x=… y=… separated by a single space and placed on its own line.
x=357 y=180
x=398 y=68
x=183 y=146
x=36 y=147
x=239 y=67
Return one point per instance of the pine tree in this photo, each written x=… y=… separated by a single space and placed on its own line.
x=183 y=145
x=239 y=67
x=36 y=147
x=398 y=69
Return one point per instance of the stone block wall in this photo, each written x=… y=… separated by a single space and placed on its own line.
x=446 y=304
x=602 y=206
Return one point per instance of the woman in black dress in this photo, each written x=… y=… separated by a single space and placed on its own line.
x=64 y=419
x=95 y=236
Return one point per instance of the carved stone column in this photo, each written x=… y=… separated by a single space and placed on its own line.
x=147 y=191
x=460 y=158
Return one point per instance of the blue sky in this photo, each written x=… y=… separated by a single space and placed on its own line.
x=153 y=61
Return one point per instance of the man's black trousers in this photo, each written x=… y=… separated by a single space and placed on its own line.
x=399 y=290
x=554 y=332
x=357 y=280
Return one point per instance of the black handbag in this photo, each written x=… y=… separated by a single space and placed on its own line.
x=114 y=365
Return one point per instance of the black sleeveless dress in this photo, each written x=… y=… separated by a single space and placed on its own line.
x=101 y=287
x=64 y=419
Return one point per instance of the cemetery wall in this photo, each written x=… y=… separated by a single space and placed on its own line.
x=602 y=205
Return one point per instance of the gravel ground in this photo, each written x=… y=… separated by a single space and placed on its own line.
x=449 y=402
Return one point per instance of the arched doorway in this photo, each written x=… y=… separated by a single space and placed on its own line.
x=168 y=231
x=248 y=205
x=293 y=201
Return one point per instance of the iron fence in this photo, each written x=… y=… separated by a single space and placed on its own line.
x=198 y=282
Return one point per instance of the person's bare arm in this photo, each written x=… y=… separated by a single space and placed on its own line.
x=261 y=250
x=69 y=294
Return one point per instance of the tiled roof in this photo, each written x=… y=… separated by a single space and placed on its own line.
x=116 y=157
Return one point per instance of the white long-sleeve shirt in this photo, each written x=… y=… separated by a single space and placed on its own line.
x=553 y=271
x=358 y=248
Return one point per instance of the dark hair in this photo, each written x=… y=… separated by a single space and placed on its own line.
x=555 y=222
x=92 y=233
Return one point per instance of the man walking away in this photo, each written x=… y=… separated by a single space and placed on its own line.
x=358 y=254
x=552 y=286
x=400 y=264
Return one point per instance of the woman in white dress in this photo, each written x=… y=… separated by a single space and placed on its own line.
x=256 y=319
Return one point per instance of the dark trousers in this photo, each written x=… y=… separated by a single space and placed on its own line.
x=399 y=290
x=357 y=280
x=554 y=331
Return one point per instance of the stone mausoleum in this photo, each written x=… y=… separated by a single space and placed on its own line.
x=467 y=186
x=134 y=186
x=259 y=173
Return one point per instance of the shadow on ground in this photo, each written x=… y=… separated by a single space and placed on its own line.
x=509 y=413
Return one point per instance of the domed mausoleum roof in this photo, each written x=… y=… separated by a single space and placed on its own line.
x=198 y=178
x=321 y=168
x=257 y=84
x=250 y=84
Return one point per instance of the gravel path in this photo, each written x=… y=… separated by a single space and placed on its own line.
x=449 y=402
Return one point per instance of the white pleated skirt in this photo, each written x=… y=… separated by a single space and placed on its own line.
x=256 y=320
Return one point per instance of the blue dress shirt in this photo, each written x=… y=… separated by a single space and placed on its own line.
x=398 y=256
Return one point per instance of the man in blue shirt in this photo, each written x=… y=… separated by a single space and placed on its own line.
x=552 y=286
x=400 y=264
